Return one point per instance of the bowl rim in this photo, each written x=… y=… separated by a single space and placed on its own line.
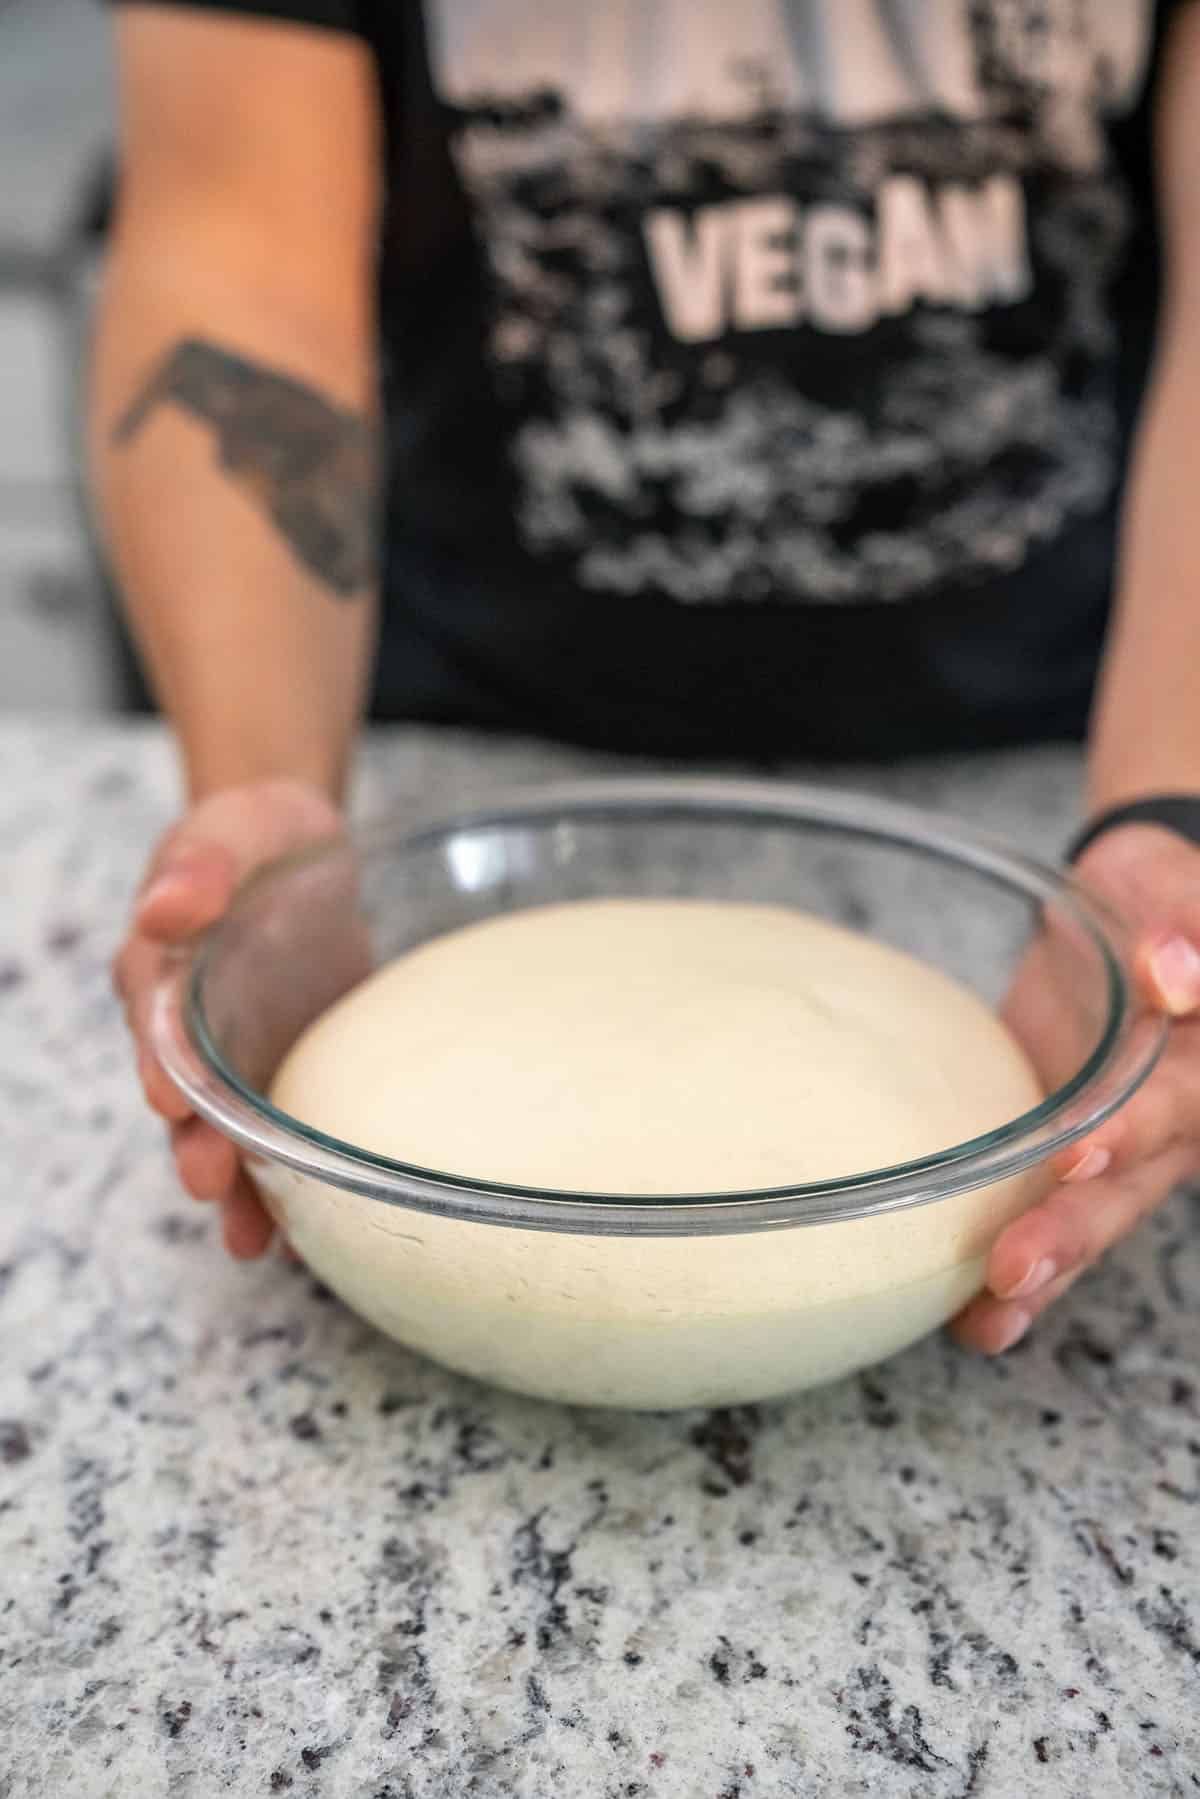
x=1117 y=1066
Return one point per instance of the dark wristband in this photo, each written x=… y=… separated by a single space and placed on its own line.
x=1178 y=812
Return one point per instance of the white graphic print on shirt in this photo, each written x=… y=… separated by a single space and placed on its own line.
x=797 y=299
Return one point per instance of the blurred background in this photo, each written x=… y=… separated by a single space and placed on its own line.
x=59 y=646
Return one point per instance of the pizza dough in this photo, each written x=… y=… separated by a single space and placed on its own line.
x=653 y=1047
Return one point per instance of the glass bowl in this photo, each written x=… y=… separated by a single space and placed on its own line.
x=666 y=1300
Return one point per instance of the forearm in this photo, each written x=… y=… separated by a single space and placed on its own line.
x=1146 y=726
x=233 y=465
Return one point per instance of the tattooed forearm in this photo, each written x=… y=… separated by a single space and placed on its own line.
x=309 y=465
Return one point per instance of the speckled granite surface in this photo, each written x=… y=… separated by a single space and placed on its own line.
x=248 y=1547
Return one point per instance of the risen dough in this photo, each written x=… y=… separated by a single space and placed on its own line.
x=655 y=1047
x=651 y=1047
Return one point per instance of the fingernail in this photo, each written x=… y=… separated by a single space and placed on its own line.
x=1015 y=1327
x=1039 y=1274
x=1176 y=969
x=161 y=887
x=1091 y=1163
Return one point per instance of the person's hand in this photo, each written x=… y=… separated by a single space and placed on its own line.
x=1129 y=1165
x=188 y=885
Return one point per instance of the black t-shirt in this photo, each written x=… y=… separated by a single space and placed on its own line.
x=759 y=377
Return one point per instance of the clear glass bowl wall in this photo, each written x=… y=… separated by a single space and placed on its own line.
x=607 y=1299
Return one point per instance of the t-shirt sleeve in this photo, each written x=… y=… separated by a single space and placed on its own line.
x=335 y=15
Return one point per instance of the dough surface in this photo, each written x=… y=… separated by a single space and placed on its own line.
x=655 y=1047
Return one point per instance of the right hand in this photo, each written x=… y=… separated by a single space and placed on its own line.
x=188 y=885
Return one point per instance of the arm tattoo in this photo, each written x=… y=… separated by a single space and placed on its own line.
x=309 y=465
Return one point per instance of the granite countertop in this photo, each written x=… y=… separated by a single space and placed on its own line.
x=247 y=1546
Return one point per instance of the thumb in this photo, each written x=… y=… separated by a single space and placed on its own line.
x=1169 y=966
x=225 y=836
x=1153 y=875
x=188 y=888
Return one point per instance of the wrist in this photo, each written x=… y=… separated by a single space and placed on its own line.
x=214 y=770
x=227 y=740
x=1172 y=810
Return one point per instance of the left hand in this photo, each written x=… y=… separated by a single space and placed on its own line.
x=1109 y=1181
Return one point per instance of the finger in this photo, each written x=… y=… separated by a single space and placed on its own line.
x=992 y=1325
x=1154 y=876
x=1168 y=968
x=186 y=892
x=1076 y=1223
x=162 y=1095
x=1163 y=1113
x=206 y=1162
x=160 y=1090
x=135 y=967
x=246 y=1224
x=136 y=971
